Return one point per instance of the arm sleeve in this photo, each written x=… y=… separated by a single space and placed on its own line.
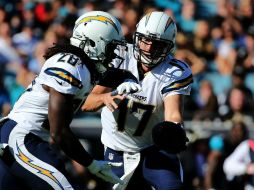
x=114 y=77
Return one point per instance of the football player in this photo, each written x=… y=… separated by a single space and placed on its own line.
x=43 y=113
x=127 y=124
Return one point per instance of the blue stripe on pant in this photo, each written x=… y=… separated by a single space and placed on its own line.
x=157 y=169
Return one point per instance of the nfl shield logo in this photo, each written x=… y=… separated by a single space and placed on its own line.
x=110 y=156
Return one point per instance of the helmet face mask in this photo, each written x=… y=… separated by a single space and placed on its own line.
x=160 y=49
x=157 y=30
x=110 y=48
x=93 y=33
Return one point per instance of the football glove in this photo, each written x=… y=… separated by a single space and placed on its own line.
x=127 y=87
x=170 y=136
x=102 y=169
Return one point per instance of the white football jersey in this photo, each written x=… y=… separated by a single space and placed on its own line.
x=129 y=127
x=66 y=74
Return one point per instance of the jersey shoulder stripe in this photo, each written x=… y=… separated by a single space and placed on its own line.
x=182 y=82
x=64 y=75
x=176 y=85
x=179 y=64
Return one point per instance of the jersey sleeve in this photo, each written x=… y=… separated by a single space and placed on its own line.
x=62 y=76
x=180 y=79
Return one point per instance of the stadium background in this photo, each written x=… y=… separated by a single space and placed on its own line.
x=216 y=37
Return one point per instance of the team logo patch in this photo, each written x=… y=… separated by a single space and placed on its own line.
x=178 y=84
x=110 y=156
x=40 y=170
x=98 y=18
x=64 y=75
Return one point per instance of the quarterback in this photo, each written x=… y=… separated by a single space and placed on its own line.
x=43 y=113
x=144 y=130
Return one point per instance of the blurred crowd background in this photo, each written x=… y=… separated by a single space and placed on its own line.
x=215 y=37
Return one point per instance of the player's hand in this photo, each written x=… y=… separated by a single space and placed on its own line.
x=127 y=87
x=103 y=170
x=112 y=101
x=170 y=136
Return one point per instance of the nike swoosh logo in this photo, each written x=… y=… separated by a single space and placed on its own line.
x=61 y=83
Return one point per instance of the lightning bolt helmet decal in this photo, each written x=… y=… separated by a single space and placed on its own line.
x=97 y=18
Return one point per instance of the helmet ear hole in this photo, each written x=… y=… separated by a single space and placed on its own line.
x=92 y=43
